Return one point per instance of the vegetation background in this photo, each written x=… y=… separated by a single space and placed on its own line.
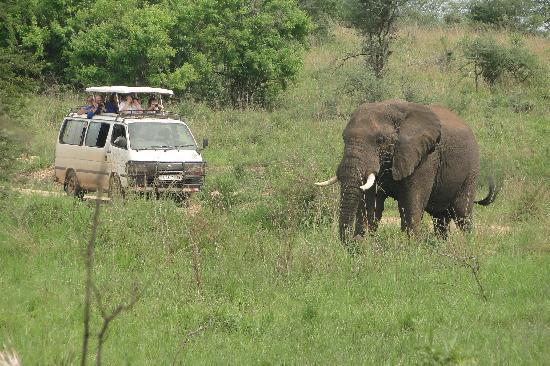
x=251 y=271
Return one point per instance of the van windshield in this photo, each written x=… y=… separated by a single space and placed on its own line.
x=155 y=135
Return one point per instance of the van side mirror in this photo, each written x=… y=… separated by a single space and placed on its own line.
x=121 y=142
x=204 y=143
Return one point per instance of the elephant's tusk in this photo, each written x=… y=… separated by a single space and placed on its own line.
x=370 y=182
x=327 y=182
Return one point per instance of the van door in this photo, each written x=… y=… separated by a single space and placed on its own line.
x=68 y=152
x=117 y=154
x=95 y=176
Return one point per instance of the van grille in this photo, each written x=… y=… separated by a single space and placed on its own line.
x=147 y=173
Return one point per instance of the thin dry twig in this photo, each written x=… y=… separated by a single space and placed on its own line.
x=190 y=336
x=472 y=263
x=89 y=282
x=107 y=318
x=346 y=58
x=197 y=265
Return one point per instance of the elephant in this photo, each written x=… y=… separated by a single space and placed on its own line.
x=424 y=157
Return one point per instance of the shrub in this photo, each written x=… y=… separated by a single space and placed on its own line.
x=244 y=54
x=127 y=47
x=323 y=13
x=18 y=73
x=492 y=60
x=523 y=15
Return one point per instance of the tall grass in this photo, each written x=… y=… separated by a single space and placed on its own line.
x=252 y=272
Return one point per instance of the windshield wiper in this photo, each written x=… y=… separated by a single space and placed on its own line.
x=164 y=147
x=188 y=145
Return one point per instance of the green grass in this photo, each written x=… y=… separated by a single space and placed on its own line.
x=272 y=284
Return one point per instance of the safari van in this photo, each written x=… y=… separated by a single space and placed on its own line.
x=129 y=150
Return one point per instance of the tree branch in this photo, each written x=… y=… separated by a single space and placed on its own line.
x=189 y=336
x=347 y=57
x=472 y=263
x=89 y=283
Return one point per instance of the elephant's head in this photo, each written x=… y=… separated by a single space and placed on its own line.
x=381 y=139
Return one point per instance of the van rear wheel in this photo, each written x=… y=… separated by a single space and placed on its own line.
x=115 y=188
x=72 y=186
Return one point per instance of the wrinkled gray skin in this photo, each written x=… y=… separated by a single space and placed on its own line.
x=424 y=157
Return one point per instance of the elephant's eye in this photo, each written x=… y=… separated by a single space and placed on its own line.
x=380 y=139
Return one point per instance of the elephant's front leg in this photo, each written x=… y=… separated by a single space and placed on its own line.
x=413 y=198
x=374 y=203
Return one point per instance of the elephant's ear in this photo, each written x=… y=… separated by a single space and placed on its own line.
x=419 y=132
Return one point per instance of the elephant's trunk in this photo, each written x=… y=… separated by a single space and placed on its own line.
x=348 y=207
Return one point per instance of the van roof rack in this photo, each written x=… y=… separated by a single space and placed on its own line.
x=121 y=89
x=73 y=112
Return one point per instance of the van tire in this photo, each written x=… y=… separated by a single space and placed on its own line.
x=72 y=185
x=115 y=187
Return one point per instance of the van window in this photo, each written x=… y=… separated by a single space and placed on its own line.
x=97 y=134
x=154 y=135
x=73 y=132
x=118 y=130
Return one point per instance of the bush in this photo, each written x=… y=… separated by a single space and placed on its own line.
x=492 y=60
x=241 y=54
x=225 y=52
x=127 y=47
x=323 y=13
x=18 y=74
x=523 y=15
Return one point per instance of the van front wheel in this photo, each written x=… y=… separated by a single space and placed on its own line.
x=72 y=186
x=115 y=188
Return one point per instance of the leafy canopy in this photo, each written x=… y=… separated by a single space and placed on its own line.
x=229 y=52
x=238 y=52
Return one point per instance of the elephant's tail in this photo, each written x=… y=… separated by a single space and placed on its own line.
x=493 y=191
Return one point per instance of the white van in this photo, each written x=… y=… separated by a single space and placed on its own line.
x=142 y=151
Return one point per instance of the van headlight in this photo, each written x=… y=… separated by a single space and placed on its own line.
x=195 y=168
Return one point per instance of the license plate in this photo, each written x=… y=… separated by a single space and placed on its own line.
x=170 y=177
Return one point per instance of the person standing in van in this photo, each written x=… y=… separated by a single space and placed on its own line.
x=88 y=107
x=98 y=107
x=130 y=104
x=111 y=105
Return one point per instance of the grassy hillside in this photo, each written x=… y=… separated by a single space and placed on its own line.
x=255 y=273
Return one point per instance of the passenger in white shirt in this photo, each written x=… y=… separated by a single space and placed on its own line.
x=130 y=104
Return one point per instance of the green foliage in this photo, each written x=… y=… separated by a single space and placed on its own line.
x=225 y=52
x=493 y=60
x=19 y=72
x=257 y=275
x=121 y=44
x=41 y=29
x=525 y=15
x=376 y=21
x=323 y=13
x=239 y=53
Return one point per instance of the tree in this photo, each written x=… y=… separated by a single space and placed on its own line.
x=40 y=29
x=523 y=15
x=322 y=13
x=376 y=21
x=239 y=52
x=121 y=43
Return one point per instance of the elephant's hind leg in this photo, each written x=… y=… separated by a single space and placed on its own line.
x=463 y=205
x=441 y=224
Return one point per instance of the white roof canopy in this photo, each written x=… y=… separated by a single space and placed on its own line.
x=128 y=90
